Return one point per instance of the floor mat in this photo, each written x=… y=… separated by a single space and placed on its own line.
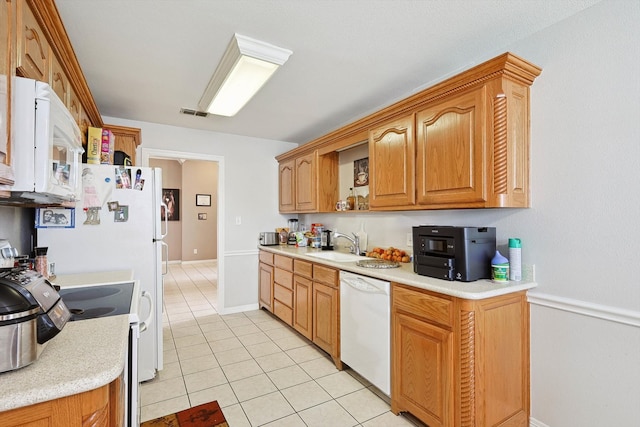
x=207 y=415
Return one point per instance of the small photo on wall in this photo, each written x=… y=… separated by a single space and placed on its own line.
x=55 y=217
x=171 y=204
x=361 y=172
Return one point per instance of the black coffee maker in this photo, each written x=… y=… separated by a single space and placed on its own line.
x=325 y=241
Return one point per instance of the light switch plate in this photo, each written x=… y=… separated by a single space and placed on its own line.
x=410 y=239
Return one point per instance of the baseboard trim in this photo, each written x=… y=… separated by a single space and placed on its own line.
x=599 y=311
x=535 y=423
x=239 y=309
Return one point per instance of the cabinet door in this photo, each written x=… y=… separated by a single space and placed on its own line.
x=392 y=164
x=451 y=154
x=325 y=318
x=286 y=183
x=126 y=139
x=306 y=189
x=303 y=305
x=59 y=82
x=422 y=371
x=33 y=56
x=6 y=174
x=266 y=286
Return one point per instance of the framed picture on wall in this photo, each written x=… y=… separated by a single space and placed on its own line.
x=361 y=172
x=171 y=199
x=203 y=199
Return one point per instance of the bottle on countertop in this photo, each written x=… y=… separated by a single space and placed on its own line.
x=499 y=268
x=515 y=259
x=362 y=237
x=351 y=200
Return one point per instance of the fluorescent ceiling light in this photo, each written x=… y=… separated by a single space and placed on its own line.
x=245 y=67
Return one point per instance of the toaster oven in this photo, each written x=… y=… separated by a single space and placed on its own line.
x=269 y=238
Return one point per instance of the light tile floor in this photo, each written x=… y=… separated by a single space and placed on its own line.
x=261 y=372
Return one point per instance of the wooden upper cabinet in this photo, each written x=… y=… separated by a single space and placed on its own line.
x=6 y=173
x=462 y=143
x=60 y=83
x=287 y=188
x=127 y=140
x=392 y=163
x=451 y=141
x=33 y=51
x=306 y=183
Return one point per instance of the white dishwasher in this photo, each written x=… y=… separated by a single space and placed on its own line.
x=365 y=323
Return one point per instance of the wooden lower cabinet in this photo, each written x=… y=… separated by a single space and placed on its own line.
x=326 y=334
x=265 y=280
x=102 y=407
x=303 y=306
x=459 y=362
x=306 y=296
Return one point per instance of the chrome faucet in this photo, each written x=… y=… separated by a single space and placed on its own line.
x=355 y=241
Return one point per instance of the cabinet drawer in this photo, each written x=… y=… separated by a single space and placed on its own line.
x=423 y=304
x=283 y=295
x=283 y=312
x=283 y=278
x=283 y=262
x=302 y=268
x=266 y=257
x=325 y=275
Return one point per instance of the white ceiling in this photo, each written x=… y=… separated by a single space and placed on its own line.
x=144 y=60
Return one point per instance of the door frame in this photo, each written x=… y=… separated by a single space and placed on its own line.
x=148 y=153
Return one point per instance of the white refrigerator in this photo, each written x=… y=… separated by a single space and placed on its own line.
x=116 y=225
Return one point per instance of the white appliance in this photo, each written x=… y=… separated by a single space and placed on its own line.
x=128 y=237
x=95 y=300
x=46 y=145
x=365 y=324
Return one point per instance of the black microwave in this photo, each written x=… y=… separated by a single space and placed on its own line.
x=453 y=253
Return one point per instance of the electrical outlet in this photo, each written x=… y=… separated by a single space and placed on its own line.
x=195 y=251
x=410 y=239
x=238 y=220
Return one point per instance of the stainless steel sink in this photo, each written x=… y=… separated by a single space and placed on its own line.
x=336 y=256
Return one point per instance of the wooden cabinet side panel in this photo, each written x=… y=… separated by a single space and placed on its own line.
x=265 y=285
x=327 y=176
x=392 y=163
x=6 y=72
x=502 y=361
x=511 y=146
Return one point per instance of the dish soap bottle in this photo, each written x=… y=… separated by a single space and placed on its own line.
x=499 y=268
x=362 y=237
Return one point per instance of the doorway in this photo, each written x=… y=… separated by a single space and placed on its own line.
x=148 y=154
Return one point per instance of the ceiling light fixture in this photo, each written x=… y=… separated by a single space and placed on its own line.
x=245 y=67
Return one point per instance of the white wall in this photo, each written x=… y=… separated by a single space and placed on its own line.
x=583 y=231
x=250 y=191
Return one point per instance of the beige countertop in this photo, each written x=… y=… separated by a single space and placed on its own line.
x=478 y=289
x=93 y=278
x=84 y=356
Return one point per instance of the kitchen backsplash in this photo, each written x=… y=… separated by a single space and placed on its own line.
x=16 y=225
